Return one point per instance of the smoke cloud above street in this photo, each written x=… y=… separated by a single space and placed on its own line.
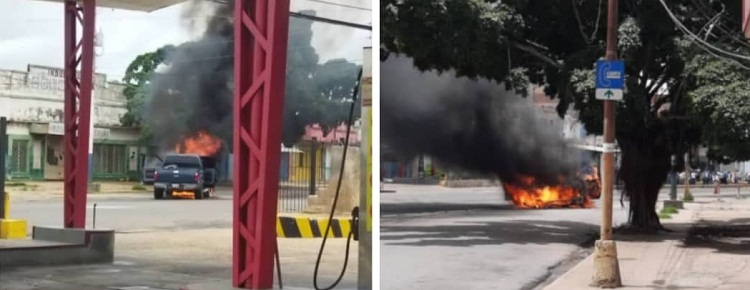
x=474 y=125
x=192 y=93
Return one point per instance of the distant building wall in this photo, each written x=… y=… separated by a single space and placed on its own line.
x=33 y=102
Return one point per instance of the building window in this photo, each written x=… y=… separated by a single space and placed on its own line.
x=19 y=161
x=110 y=159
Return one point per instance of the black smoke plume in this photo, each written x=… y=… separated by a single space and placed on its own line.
x=475 y=125
x=194 y=93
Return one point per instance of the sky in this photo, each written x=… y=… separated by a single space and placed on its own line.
x=31 y=32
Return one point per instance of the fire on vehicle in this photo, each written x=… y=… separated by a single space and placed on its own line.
x=575 y=192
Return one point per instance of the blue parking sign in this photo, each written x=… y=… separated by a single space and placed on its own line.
x=610 y=74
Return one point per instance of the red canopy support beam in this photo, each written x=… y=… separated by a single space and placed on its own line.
x=78 y=53
x=746 y=18
x=260 y=47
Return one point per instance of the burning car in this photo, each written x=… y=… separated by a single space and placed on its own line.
x=576 y=191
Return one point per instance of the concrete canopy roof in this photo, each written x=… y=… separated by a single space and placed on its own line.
x=136 y=5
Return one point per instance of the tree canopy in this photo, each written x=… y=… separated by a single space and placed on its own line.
x=679 y=91
x=137 y=76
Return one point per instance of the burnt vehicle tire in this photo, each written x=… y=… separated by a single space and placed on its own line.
x=158 y=193
x=198 y=194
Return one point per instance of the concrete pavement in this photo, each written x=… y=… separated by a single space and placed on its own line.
x=167 y=244
x=683 y=259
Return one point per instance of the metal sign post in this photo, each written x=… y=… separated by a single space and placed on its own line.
x=610 y=75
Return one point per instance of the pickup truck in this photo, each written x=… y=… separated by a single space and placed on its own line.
x=181 y=173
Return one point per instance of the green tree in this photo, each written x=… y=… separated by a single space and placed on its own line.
x=137 y=79
x=720 y=99
x=674 y=98
x=315 y=93
x=334 y=81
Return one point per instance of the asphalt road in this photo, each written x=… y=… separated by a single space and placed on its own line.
x=172 y=238
x=441 y=238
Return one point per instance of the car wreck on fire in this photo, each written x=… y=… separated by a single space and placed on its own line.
x=575 y=191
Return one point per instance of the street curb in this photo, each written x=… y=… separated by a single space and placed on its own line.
x=554 y=284
x=307 y=227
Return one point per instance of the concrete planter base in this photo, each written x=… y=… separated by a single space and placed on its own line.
x=52 y=246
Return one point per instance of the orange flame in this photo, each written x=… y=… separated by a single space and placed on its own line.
x=527 y=193
x=202 y=144
x=183 y=194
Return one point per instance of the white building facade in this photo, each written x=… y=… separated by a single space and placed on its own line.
x=32 y=100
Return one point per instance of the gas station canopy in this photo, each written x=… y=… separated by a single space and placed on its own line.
x=136 y=5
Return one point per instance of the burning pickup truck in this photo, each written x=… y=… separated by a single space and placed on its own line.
x=185 y=175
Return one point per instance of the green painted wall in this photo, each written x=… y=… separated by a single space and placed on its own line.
x=127 y=174
x=38 y=174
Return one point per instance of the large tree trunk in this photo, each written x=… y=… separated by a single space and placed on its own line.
x=643 y=170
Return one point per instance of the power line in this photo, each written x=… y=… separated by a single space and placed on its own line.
x=341 y=5
x=330 y=21
x=687 y=31
x=718 y=21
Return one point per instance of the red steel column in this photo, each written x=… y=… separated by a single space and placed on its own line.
x=77 y=100
x=260 y=45
x=746 y=18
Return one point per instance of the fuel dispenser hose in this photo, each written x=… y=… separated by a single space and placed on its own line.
x=354 y=227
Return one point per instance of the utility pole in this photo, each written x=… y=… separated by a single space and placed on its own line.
x=673 y=182
x=606 y=266
x=687 y=196
x=673 y=202
x=98 y=47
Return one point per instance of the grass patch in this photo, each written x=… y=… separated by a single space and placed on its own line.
x=665 y=215
x=139 y=187
x=669 y=210
x=15 y=184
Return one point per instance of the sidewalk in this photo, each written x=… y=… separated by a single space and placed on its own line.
x=56 y=187
x=667 y=262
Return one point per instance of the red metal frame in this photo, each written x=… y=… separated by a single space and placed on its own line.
x=77 y=102
x=260 y=47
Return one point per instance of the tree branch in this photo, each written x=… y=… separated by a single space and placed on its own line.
x=578 y=20
x=598 y=17
x=536 y=54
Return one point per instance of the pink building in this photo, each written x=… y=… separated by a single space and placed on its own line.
x=337 y=135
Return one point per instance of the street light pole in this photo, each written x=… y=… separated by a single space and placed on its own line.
x=606 y=266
